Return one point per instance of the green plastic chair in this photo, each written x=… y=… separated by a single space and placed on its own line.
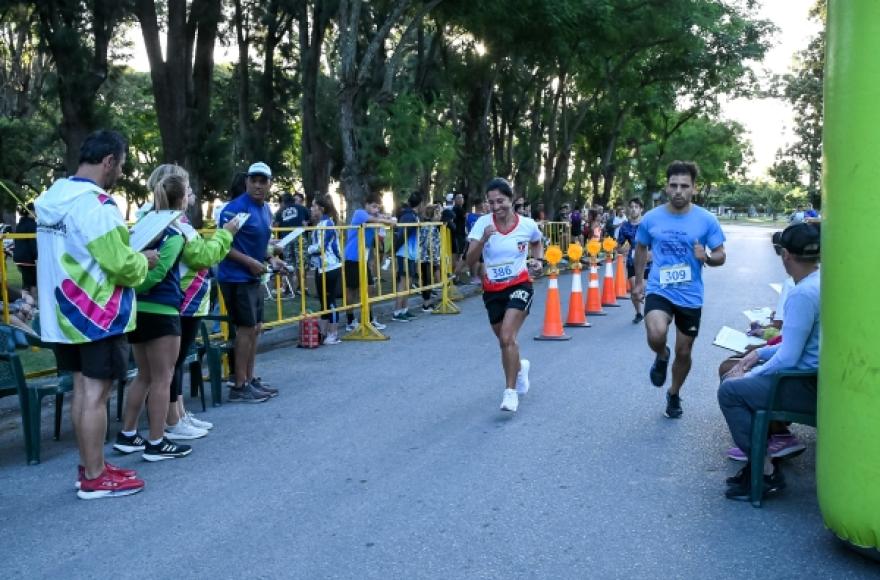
x=774 y=411
x=30 y=395
x=214 y=350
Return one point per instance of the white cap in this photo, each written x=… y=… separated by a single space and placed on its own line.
x=260 y=168
x=450 y=196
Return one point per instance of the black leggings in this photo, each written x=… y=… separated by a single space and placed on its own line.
x=427 y=269
x=189 y=328
x=329 y=294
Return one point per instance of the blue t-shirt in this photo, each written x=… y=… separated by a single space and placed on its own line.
x=251 y=240
x=471 y=220
x=627 y=233
x=351 y=237
x=671 y=238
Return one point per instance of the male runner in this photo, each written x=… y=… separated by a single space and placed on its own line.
x=626 y=234
x=677 y=234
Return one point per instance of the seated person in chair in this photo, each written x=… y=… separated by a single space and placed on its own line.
x=746 y=386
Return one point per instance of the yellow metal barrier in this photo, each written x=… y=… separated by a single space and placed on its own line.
x=558 y=233
x=424 y=279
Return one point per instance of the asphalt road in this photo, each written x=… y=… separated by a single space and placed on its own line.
x=392 y=460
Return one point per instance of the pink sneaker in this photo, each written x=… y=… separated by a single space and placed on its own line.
x=787 y=445
x=736 y=454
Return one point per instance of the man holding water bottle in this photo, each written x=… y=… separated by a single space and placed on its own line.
x=678 y=234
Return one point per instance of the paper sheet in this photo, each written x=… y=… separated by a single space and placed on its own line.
x=734 y=340
x=761 y=315
x=150 y=227
x=776 y=287
x=294 y=234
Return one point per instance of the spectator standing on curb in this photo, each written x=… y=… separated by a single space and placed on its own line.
x=199 y=254
x=292 y=214
x=429 y=255
x=87 y=278
x=156 y=339
x=24 y=253
x=240 y=276
x=368 y=215
x=326 y=259
x=406 y=244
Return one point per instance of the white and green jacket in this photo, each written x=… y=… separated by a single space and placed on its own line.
x=86 y=269
x=199 y=254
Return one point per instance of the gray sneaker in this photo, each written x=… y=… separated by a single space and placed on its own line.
x=262 y=388
x=247 y=394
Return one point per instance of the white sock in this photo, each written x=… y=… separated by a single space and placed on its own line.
x=129 y=433
x=156 y=442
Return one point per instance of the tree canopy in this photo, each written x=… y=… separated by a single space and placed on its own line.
x=581 y=100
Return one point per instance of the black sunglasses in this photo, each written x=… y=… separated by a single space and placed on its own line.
x=517 y=206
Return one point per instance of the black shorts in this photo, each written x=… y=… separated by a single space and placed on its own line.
x=352 y=274
x=459 y=244
x=152 y=326
x=631 y=271
x=105 y=359
x=407 y=268
x=497 y=303
x=244 y=302
x=28 y=276
x=687 y=320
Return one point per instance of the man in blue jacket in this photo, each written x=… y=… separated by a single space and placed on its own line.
x=745 y=388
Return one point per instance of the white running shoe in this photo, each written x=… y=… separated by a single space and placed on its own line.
x=183 y=431
x=352 y=326
x=510 y=401
x=522 y=378
x=198 y=423
x=378 y=325
x=332 y=339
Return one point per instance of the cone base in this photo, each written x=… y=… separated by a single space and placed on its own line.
x=542 y=337
x=596 y=313
x=577 y=324
x=615 y=305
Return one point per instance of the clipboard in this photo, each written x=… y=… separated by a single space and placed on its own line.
x=150 y=227
x=290 y=237
x=735 y=340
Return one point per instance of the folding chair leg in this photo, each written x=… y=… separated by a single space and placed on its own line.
x=215 y=369
x=760 y=426
x=120 y=399
x=34 y=430
x=196 y=382
x=59 y=407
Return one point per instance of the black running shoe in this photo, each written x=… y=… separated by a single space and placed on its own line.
x=741 y=478
x=673 y=406
x=165 y=449
x=125 y=444
x=658 y=369
x=770 y=484
x=638 y=318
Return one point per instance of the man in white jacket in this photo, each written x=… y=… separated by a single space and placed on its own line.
x=86 y=274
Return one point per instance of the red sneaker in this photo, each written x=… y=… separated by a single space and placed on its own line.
x=121 y=471
x=108 y=484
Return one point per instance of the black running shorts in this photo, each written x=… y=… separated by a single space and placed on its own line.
x=497 y=303
x=687 y=320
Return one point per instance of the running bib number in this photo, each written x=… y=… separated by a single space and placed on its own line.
x=677 y=274
x=500 y=272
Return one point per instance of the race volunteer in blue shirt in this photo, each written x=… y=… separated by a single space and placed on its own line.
x=239 y=277
x=677 y=234
x=745 y=388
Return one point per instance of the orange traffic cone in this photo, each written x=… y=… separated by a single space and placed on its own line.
x=620 y=279
x=594 y=304
x=609 y=294
x=576 y=316
x=552 y=313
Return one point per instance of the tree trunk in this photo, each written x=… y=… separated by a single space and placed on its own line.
x=242 y=70
x=314 y=152
x=81 y=67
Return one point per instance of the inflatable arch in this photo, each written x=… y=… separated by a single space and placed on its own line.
x=848 y=449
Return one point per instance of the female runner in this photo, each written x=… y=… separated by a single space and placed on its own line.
x=510 y=245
